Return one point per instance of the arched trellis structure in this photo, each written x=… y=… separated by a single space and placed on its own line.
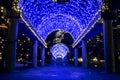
x=59 y=50
x=44 y=16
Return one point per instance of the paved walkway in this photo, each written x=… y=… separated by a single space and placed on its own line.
x=59 y=73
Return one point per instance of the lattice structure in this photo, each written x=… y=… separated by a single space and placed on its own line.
x=45 y=16
x=59 y=50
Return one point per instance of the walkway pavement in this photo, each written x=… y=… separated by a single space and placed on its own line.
x=59 y=73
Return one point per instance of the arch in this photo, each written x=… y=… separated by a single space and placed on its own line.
x=60 y=22
x=45 y=16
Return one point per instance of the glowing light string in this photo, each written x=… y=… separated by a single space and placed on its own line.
x=76 y=17
x=59 y=50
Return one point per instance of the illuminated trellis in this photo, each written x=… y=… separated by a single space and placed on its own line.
x=59 y=50
x=45 y=16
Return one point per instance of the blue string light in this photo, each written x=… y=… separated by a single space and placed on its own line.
x=46 y=16
x=59 y=50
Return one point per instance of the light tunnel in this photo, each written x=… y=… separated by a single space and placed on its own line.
x=45 y=16
x=59 y=50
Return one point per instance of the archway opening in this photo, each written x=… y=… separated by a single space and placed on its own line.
x=58 y=37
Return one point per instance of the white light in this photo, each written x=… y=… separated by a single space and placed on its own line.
x=48 y=53
x=20 y=44
x=22 y=49
x=28 y=39
x=0 y=58
x=101 y=60
x=27 y=55
x=19 y=40
x=1 y=10
x=72 y=59
x=80 y=59
x=119 y=57
x=95 y=65
x=2 y=47
x=21 y=54
x=2 y=7
x=20 y=59
x=24 y=41
x=2 y=17
x=95 y=59
x=23 y=34
x=2 y=39
x=0 y=53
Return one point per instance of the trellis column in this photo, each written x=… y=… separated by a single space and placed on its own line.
x=42 y=55
x=75 y=56
x=35 y=53
x=108 y=46
x=84 y=54
x=12 y=44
